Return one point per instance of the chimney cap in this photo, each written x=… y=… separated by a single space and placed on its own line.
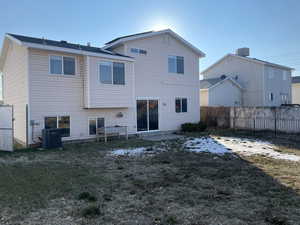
x=243 y=52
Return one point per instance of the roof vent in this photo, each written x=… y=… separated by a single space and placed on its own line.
x=64 y=42
x=243 y=52
x=88 y=44
x=223 y=76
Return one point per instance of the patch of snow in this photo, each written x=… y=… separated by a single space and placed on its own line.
x=250 y=147
x=129 y=152
x=205 y=144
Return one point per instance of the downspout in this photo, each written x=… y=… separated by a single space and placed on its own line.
x=263 y=88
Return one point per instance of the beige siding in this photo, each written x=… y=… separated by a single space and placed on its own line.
x=225 y=94
x=15 y=91
x=203 y=97
x=296 y=93
x=152 y=79
x=56 y=95
x=109 y=95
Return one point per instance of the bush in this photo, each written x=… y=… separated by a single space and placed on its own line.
x=193 y=127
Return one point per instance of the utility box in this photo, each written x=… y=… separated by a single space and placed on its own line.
x=51 y=138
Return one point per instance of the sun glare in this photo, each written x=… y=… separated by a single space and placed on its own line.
x=161 y=26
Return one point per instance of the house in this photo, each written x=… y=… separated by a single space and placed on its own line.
x=296 y=90
x=147 y=82
x=238 y=80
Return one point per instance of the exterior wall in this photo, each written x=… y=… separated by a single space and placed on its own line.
x=152 y=79
x=225 y=94
x=274 y=83
x=296 y=93
x=203 y=97
x=109 y=95
x=58 y=95
x=15 y=91
x=249 y=76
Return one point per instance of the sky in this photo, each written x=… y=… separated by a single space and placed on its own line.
x=270 y=28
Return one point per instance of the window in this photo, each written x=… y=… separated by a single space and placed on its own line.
x=271 y=97
x=284 y=98
x=284 y=75
x=271 y=73
x=138 y=51
x=112 y=73
x=94 y=124
x=176 y=64
x=180 y=105
x=62 y=122
x=62 y=65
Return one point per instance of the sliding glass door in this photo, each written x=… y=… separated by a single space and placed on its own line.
x=147 y=115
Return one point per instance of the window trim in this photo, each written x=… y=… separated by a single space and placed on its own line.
x=181 y=98
x=62 y=66
x=176 y=67
x=112 y=72
x=94 y=118
x=57 y=122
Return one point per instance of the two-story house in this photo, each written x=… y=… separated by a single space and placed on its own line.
x=238 y=80
x=147 y=82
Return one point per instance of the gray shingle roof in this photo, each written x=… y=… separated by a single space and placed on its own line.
x=296 y=79
x=118 y=38
x=64 y=44
x=207 y=83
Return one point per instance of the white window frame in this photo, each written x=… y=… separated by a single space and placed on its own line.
x=180 y=98
x=62 y=66
x=94 y=118
x=112 y=72
x=57 y=122
x=138 y=51
x=175 y=56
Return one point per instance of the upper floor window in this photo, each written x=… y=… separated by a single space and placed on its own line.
x=176 y=64
x=64 y=65
x=112 y=73
x=180 y=105
x=138 y=51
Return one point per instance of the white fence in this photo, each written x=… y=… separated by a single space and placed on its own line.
x=6 y=128
x=282 y=119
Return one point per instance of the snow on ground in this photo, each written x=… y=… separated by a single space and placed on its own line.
x=249 y=147
x=205 y=144
x=244 y=146
x=136 y=151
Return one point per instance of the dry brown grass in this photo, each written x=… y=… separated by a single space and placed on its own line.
x=172 y=187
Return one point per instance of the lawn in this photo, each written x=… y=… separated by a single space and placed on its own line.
x=85 y=184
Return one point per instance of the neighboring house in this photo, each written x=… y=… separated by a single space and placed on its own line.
x=296 y=90
x=148 y=82
x=260 y=83
x=212 y=92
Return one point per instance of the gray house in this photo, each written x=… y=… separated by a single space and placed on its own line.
x=238 y=80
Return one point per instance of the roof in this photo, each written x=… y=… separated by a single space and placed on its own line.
x=296 y=79
x=120 y=40
x=63 y=44
x=213 y=82
x=207 y=83
x=132 y=35
x=248 y=59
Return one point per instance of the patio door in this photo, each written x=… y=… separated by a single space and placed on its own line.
x=147 y=115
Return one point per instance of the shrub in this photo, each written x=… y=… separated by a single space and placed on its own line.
x=193 y=127
x=91 y=211
x=87 y=196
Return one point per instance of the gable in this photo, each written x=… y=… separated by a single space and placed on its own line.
x=119 y=41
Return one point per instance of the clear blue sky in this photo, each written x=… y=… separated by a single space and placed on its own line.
x=270 y=28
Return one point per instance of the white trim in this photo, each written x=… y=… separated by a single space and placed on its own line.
x=13 y=39
x=222 y=81
x=75 y=51
x=94 y=118
x=88 y=81
x=158 y=108
x=181 y=98
x=62 y=66
x=167 y=31
x=247 y=59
